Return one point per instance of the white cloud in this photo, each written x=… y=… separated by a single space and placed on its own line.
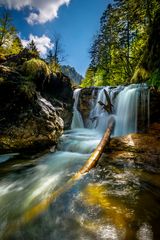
x=41 y=11
x=43 y=43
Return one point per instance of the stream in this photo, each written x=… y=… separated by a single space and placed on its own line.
x=117 y=202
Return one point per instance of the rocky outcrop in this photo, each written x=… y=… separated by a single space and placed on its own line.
x=28 y=120
x=59 y=92
x=85 y=99
x=28 y=126
x=141 y=149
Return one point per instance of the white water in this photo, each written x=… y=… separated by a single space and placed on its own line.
x=77 y=121
x=24 y=183
x=129 y=104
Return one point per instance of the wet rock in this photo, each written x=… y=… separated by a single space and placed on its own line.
x=85 y=106
x=140 y=150
x=85 y=100
x=34 y=129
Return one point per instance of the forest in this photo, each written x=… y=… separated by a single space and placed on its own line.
x=80 y=156
x=121 y=50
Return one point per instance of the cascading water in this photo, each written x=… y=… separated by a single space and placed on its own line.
x=40 y=177
x=77 y=121
x=100 y=206
x=130 y=105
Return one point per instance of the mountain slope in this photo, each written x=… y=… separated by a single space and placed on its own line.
x=72 y=74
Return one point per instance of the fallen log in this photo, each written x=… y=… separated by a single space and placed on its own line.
x=95 y=156
x=39 y=208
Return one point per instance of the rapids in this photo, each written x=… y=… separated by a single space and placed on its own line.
x=114 y=202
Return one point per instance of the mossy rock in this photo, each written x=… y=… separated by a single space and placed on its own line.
x=36 y=70
x=28 y=88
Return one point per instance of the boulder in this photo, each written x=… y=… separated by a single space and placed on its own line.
x=28 y=122
x=33 y=129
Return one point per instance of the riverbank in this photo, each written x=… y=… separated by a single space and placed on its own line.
x=140 y=149
x=35 y=107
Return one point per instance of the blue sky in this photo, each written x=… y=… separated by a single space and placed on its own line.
x=76 y=21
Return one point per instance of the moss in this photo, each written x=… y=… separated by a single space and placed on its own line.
x=1 y=80
x=28 y=88
x=154 y=80
x=140 y=75
x=37 y=71
x=55 y=67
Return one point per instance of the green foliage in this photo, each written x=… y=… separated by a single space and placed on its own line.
x=7 y=30
x=28 y=88
x=100 y=77
x=16 y=46
x=33 y=49
x=120 y=44
x=54 y=67
x=155 y=79
x=89 y=78
x=140 y=75
x=37 y=71
x=1 y=80
x=10 y=43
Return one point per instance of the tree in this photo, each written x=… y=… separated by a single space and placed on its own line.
x=89 y=77
x=7 y=30
x=121 y=41
x=56 y=55
x=16 y=46
x=33 y=49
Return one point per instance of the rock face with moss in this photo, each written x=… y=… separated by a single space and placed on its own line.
x=31 y=111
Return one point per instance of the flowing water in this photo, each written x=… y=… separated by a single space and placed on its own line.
x=119 y=201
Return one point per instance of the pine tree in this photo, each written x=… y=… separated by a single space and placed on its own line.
x=7 y=30
x=33 y=49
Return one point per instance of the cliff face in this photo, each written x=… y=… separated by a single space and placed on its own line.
x=59 y=92
x=32 y=120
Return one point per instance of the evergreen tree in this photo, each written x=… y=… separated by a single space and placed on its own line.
x=16 y=46
x=120 y=43
x=7 y=30
x=33 y=49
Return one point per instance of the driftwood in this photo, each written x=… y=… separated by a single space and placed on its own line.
x=95 y=156
x=108 y=107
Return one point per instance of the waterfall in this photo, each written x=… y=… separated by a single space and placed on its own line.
x=130 y=108
x=77 y=121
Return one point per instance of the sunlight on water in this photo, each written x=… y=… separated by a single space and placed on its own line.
x=117 y=202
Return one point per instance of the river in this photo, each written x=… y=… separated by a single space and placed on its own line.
x=117 y=201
